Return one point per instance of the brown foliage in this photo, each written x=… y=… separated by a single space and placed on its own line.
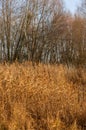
x=42 y=97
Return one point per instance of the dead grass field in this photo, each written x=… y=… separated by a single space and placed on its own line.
x=42 y=97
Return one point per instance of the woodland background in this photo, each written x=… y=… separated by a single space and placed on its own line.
x=42 y=31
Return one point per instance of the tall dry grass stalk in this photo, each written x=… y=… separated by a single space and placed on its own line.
x=42 y=97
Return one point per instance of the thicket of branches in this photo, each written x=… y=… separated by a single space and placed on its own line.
x=42 y=31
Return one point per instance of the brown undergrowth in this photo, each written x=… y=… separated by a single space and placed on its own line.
x=42 y=97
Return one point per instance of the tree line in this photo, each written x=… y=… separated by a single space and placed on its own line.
x=42 y=31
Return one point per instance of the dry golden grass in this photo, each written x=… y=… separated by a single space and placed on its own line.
x=42 y=97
